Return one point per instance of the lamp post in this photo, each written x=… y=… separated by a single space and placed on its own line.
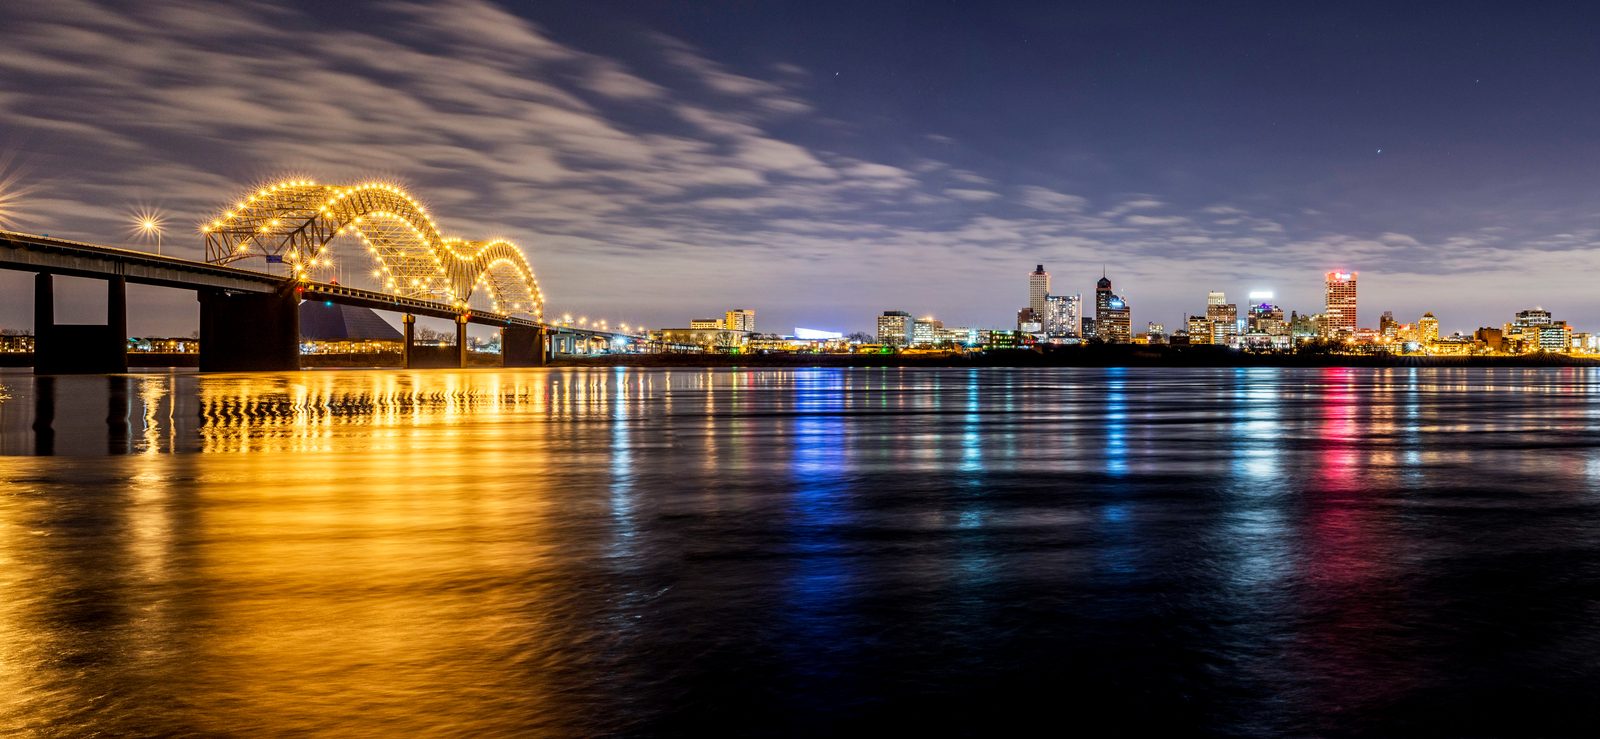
x=149 y=224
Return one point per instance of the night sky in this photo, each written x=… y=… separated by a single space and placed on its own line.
x=822 y=162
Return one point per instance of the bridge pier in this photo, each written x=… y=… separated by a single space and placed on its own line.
x=79 y=349
x=461 y=341
x=409 y=323
x=523 y=346
x=249 y=332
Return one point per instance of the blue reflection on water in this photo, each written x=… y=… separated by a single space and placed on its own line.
x=818 y=510
x=1116 y=420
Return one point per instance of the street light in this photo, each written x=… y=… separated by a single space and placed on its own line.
x=148 y=223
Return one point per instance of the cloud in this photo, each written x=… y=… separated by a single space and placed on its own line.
x=1040 y=198
x=972 y=196
x=1155 y=220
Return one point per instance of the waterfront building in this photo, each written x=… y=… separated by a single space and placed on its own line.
x=1154 y=333
x=1488 y=338
x=1030 y=322
x=1112 y=317
x=1199 y=330
x=1224 y=318
x=1038 y=291
x=1527 y=332
x=1388 y=328
x=740 y=319
x=894 y=328
x=1339 y=313
x=1266 y=318
x=1427 y=329
x=925 y=331
x=714 y=339
x=1062 y=316
x=706 y=323
x=15 y=343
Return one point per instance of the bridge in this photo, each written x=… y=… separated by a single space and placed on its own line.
x=249 y=319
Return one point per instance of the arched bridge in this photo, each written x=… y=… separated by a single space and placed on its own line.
x=295 y=222
x=293 y=231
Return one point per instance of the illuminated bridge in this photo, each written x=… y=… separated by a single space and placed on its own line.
x=249 y=318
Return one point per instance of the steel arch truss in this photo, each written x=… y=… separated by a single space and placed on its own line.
x=293 y=222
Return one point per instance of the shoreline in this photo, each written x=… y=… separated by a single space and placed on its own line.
x=1099 y=356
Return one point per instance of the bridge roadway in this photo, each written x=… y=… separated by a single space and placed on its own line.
x=259 y=296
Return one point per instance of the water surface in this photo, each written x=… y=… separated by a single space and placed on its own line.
x=572 y=552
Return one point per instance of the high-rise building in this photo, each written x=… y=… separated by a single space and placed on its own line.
x=1038 y=290
x=894 y=328
x=1113 y=321
x=1224 y=318
x=925 y=331
x=740 y=319
x=1428 y=328
x=1062 y=315
x=1266 y=318
x=1388 y=328
x=1199 y=330
x=1339 y=314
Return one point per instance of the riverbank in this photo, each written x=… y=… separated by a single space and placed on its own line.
x=1075 y=356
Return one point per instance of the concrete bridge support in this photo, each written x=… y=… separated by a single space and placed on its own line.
x=433 y=357
x=249 y=332
x=522 y=346
x=79 y=349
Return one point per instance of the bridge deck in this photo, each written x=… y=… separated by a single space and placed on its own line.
x=34 y=253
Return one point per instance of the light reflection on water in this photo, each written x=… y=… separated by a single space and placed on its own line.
x=1254 y=551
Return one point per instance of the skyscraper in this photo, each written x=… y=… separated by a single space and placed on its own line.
x=1339 y=315
x=1428 y=328
x=1062 y=315
x=1113 y=322
x=1038 y=290
x=1224 y=318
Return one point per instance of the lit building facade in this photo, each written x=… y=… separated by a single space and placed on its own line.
x=705 y=323
x=1062 y=316
x=1038 y=290
x=1224 y=318
x=1427 y=329
x=1339 y=305
x=739 y=319
x=1199 y=330
x=894 y=328
x=1113 y=319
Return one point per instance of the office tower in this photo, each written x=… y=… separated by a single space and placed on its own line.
x=1199 y=330
x=1112 y=318
x=1266 y=318
x=1224 y=318
x=1062 y=315
x=740 y=319
x=925 y=331
x=1428 y=328
x=1339 y=314
x=1388 y=328
x=1038 y=291
x=894 y=328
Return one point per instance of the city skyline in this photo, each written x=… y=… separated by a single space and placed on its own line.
x=819 y=184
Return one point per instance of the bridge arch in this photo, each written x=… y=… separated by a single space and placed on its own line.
x=293 y=222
